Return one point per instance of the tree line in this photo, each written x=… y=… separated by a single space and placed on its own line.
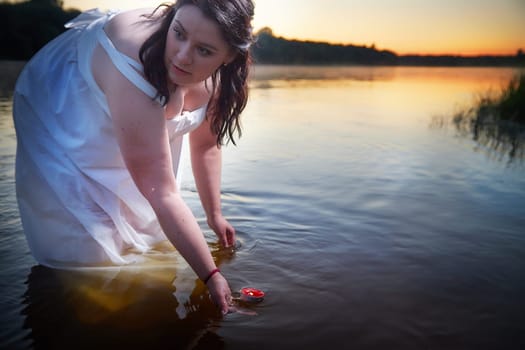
x=277 y=50
x=271 y=49
x=27 y=26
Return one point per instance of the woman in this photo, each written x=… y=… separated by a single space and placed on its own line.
x=100 y=134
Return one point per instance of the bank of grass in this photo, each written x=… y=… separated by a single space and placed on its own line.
x=496 y=121
x=510 y=104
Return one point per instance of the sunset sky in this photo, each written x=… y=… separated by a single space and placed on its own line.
x=464 y=27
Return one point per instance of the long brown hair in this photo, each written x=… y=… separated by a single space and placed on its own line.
x=230 y=82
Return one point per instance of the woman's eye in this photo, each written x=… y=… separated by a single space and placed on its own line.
x=178 y=33
x=204 y=51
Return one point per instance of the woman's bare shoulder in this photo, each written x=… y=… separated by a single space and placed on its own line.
x=129 y=29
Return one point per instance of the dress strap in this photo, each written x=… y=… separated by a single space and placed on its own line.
x=127 y=66
x=87 y=18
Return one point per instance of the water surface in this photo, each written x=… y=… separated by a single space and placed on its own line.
x=367 y=226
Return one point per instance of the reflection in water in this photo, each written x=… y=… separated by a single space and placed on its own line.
x=129 y=307
x=497 y=138
x=270 y=76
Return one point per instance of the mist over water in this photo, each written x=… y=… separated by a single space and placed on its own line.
x=366 y=226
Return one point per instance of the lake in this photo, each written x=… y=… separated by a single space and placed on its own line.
x=368 y=219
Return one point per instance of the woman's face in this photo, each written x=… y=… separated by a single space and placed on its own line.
x=195 y=47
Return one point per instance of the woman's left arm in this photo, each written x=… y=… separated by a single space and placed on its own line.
x=206 y=162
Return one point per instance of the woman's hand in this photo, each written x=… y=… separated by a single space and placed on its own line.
x=220 y=293
x=223 y=229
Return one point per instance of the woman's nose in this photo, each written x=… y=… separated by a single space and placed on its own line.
x=184 y=54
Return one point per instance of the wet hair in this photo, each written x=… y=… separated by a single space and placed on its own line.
x=229 y=82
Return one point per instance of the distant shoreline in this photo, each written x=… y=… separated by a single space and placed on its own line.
x=393 y=60
x=270 y=49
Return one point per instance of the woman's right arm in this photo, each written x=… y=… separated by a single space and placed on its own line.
x=140 y=128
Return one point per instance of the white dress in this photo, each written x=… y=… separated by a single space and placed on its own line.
x=77 y=201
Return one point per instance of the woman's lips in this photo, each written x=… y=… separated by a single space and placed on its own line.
x=180 y=70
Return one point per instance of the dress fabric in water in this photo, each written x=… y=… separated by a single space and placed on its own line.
x=77 y=201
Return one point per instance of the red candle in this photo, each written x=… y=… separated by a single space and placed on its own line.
x=252 y=295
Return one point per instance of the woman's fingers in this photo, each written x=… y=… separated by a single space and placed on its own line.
x=224 y=231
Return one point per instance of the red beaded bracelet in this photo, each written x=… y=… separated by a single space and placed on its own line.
x=213 y=272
